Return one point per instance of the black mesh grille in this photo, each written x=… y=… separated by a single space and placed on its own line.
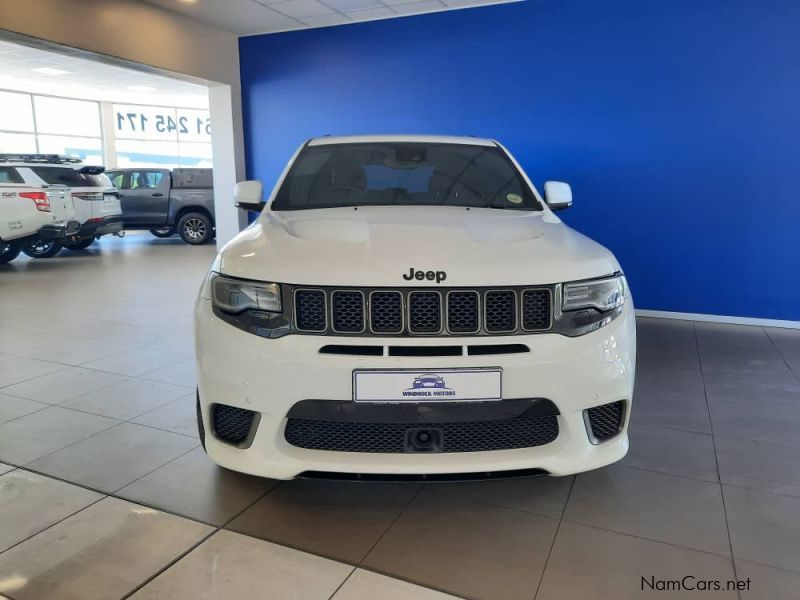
x=606 y=420
x=462 y=312
x=348 y=312
x=535 y=309
x=501 y=311
x=309 y=307
x=386 y=312
x=425 y=312
x=474 y=436
x=231 y=424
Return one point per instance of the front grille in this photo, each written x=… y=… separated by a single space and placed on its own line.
x=392 y=438
x=230 y=423
x=424 y=312
x=605 y=421
x=348 y=312
x=501 y=311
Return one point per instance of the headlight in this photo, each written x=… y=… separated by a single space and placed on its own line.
x=589 y=305
x=602 y=294
x=236 y=295
x=251 y=306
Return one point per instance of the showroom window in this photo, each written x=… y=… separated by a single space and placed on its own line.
x=17 y=132
x=155 y=136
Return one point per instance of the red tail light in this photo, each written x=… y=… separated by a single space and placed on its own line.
x=39 y=198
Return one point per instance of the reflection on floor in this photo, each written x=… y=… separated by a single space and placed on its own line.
x=105 y=492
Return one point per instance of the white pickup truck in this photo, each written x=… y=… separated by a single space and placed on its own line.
x=31 y=211
x=412 y=307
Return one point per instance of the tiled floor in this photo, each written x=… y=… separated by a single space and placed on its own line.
x=105 y=492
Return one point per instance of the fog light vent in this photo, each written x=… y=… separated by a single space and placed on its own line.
x=605 y=421
x=231 y=424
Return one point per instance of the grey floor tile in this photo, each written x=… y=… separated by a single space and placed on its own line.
x=15 y=369
x=671 y=451
x=543 y=495
x=787 y=341
x=229 y=565
x=137 y=362
x=656 y=506
x=366 y=585
x=195 y=487
x=178 y=416
x=69 y=349
x=759 y=465
x=765 y=527
x=767 y=583
x=12 y=407
x=32 y=436
x=677 y=402
x=116 y=457
x=182 y=373
x=62 y=385
x=30 y=503
x=466 y=548
x=767 y=413
x=588 y=564
x=4 y=468
x=102 y=552
x=341 y=520
x=127 y=399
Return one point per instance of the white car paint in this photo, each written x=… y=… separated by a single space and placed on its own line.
x=375 y=246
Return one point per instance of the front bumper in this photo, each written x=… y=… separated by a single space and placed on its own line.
x=100 y=226
x=270 y=376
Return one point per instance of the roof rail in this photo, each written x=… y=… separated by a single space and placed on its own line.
x=41 y=158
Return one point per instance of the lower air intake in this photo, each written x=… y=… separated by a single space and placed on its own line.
x=605 y=421
x=231 y=424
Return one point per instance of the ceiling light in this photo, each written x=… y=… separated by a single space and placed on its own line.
x=49 y=71
x=189 y=1
x=141 y=88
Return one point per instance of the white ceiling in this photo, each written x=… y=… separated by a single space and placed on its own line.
x=92 y=80
x=248 y=17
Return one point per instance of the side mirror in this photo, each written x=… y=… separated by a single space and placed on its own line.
x=558 y=195
x=249 y=195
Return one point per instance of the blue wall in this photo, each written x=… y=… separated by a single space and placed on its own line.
x=675 y=121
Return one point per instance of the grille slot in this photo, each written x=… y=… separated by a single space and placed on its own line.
x=386 y=312
x=462 y=312
x=536 y=310
x=309 y=310
x=501 y=311
x=231 y=424
x=605 y=421
x=348 y=311
x=470 y=436
x=424 y=312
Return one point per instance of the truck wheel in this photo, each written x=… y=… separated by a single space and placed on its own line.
x=80 y=244
x=195 y=228
x=163 y=232
x=39 y=248
x=9 y=251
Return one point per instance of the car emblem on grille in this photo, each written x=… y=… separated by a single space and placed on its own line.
x=438 y=276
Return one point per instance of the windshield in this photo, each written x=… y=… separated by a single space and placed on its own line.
x=415 y=174
x=71 y=177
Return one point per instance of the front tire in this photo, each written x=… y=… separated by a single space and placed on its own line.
x=9 y=251
x=163 y=232
x=39 y=248
x=195 y=228
x=80 y=244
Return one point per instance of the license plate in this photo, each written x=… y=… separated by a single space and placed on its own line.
x=428 y=385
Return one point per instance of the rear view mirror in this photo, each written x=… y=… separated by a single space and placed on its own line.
x=249 y=195
x=558 y=195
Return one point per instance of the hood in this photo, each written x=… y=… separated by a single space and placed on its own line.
x=379 y=245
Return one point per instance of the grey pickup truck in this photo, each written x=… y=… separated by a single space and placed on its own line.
x=167 y=201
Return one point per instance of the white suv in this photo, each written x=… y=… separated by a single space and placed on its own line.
x=31 y=212
x=412 y=307
x=97 y=205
